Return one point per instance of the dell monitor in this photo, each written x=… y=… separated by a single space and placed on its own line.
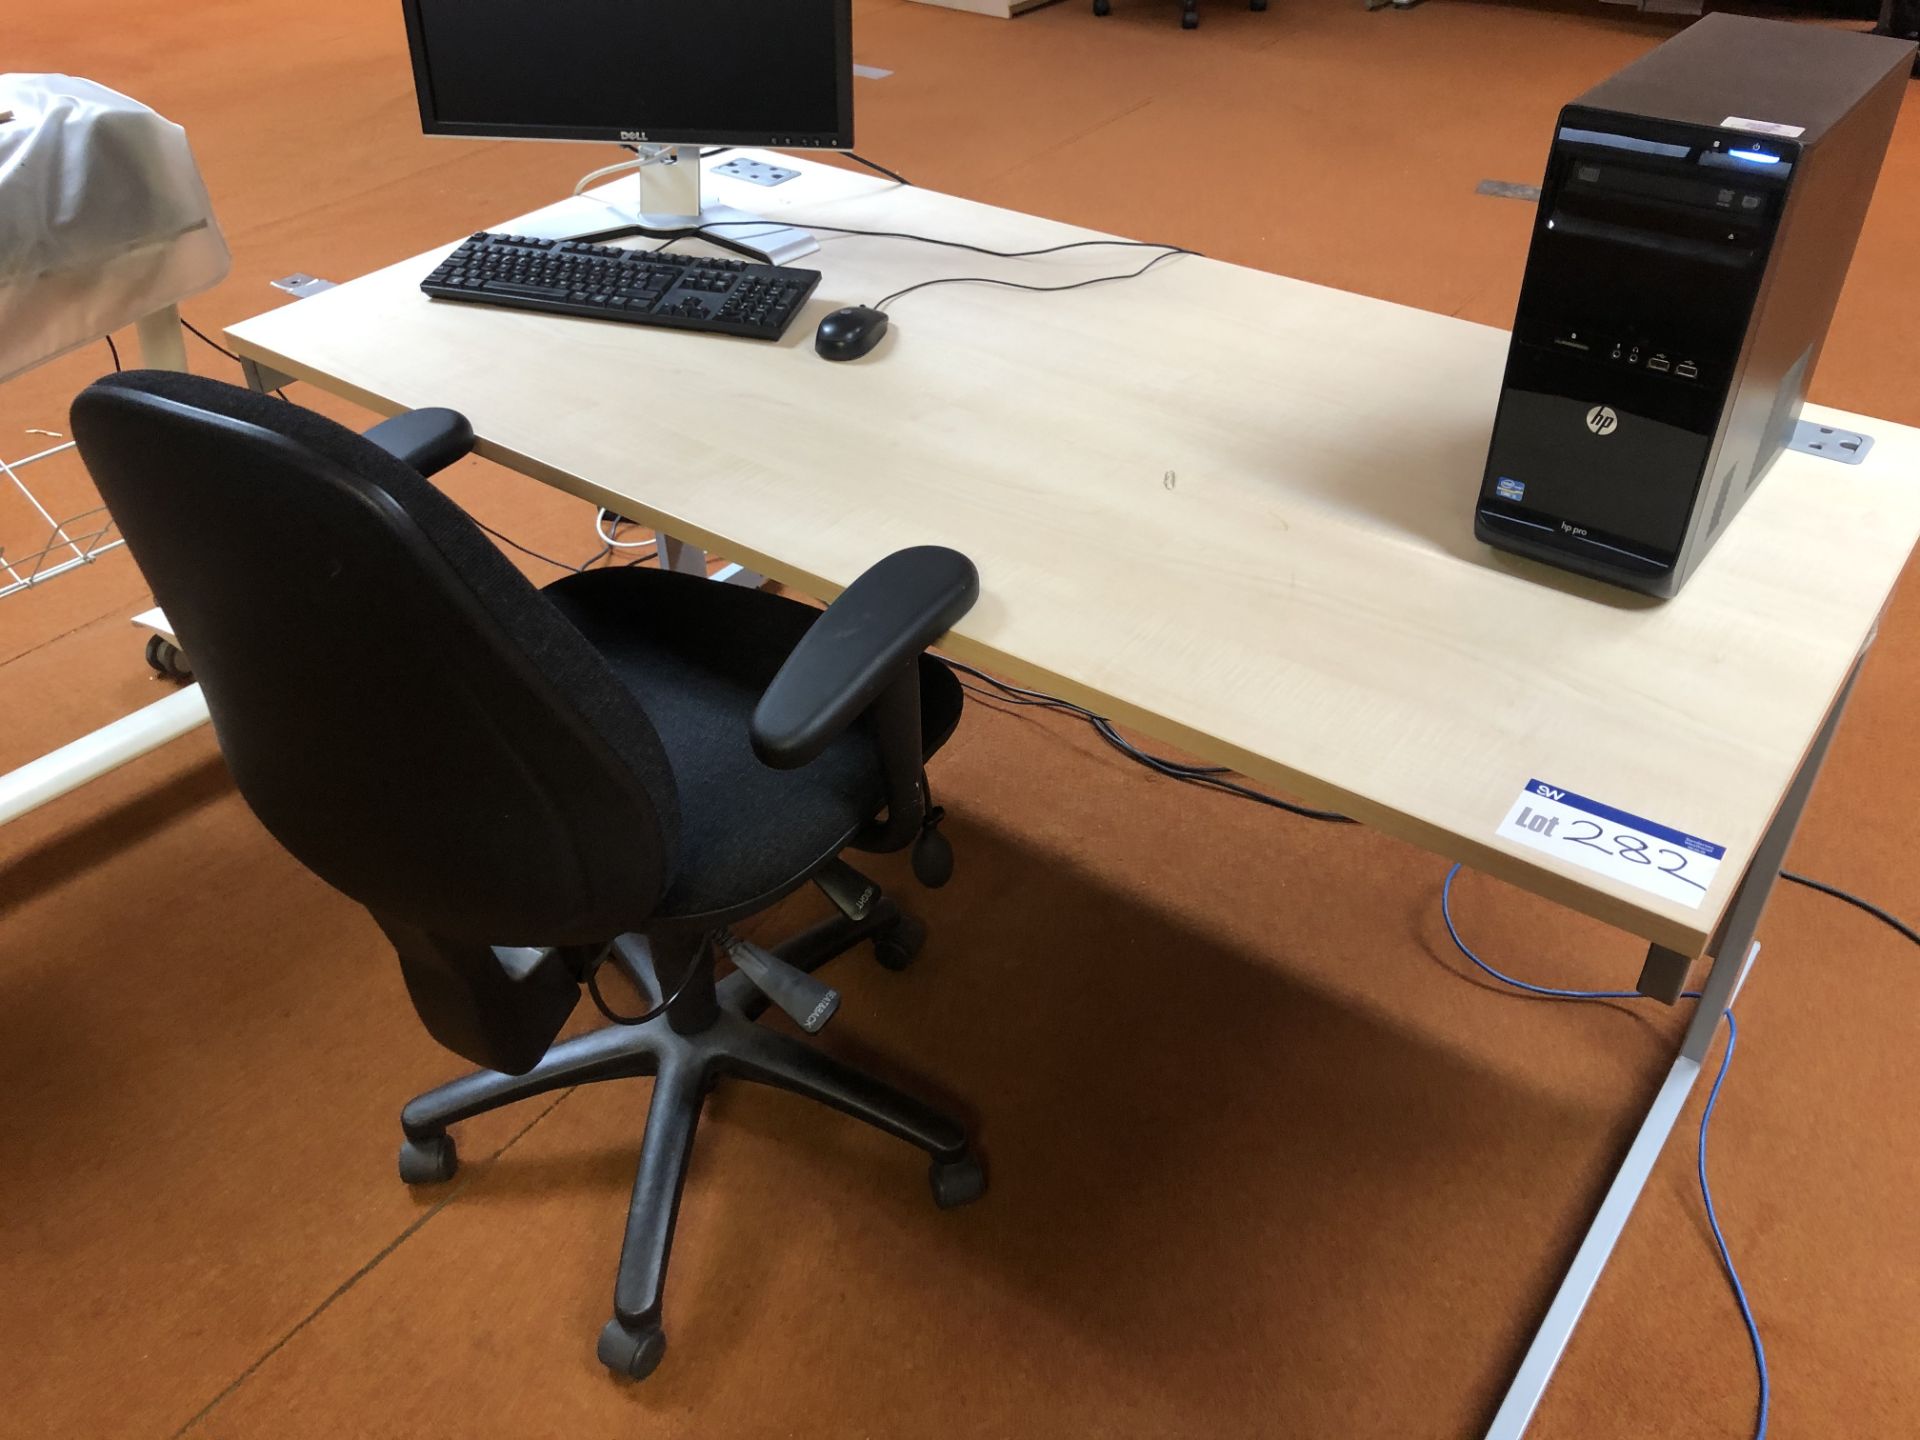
x=665 y=78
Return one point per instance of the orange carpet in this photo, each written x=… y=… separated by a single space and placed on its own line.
x=1265 y=1162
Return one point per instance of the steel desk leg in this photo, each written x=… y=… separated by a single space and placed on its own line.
x=1733 y=955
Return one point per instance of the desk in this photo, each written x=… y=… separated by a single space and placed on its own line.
x=1227 y=508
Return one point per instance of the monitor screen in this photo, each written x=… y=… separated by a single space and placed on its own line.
x=679 y=72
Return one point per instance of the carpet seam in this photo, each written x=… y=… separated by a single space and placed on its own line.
x=358 y=1275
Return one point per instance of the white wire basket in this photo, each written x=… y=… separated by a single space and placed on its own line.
x=51 y=546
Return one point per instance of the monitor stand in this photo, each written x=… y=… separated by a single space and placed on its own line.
x=669 y=204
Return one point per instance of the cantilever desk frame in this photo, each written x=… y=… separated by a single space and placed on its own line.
x=1314 y=612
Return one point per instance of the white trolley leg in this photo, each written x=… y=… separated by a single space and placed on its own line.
x=107 y=748
x=131 y=736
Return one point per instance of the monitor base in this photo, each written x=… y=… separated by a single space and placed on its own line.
x=751 y=235
x=669 y=206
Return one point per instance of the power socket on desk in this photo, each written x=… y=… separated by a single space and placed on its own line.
x=1849 y=447
x=756 y=172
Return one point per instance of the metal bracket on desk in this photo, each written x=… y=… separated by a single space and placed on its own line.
x=1734 y=953
x=263 y=378
x=692 y=560
x=300 y=284
x=1664 y=975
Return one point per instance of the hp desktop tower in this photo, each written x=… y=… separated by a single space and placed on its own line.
x=1695 y=224
x=1900 y=18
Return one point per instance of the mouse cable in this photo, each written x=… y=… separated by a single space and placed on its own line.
x=1166 y=254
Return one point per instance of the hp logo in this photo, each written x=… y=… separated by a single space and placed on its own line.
x=1602 y=421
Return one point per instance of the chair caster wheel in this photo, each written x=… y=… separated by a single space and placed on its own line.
x=896 y=947
x=1256 y=4
x=635 y=1354
x=166 y=659
x=957 y=1182
x=430 y=1161
x=1102 y=7
x=932 y=852
x=1189 y=20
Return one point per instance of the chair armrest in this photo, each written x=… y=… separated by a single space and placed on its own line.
x=859 y=645
x=429 y=440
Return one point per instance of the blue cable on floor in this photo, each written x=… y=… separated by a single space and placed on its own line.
x=1733 y=1276
x=1706 y=1117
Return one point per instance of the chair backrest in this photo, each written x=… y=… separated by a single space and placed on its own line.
x=399 y=706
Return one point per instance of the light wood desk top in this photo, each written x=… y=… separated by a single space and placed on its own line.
x=1230 y=509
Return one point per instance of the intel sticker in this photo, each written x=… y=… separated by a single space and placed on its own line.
x=1510 y=489
x=1643 y=853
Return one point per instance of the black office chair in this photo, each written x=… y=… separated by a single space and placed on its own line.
x=524 y=786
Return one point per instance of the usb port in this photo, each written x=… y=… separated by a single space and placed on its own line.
x=1659 y=362
x=1687 y=370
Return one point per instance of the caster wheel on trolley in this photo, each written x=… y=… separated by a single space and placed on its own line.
x=167 y=660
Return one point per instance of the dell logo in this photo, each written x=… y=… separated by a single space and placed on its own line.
x=1602 y=421
x=633 y=135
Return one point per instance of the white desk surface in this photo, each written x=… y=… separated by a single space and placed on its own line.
x=1227 y=508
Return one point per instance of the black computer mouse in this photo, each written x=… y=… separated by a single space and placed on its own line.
x=850 y=333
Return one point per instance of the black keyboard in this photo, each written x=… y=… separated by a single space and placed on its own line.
x=604 y=282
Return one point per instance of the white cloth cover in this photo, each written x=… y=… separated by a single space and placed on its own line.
x=103 y=217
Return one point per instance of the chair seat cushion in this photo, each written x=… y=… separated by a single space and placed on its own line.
x=697 y=655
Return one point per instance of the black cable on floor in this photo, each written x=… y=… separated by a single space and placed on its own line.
x=1885 y=917
x=113 y=350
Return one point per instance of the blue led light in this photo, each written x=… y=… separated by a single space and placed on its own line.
x=1757 y=157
